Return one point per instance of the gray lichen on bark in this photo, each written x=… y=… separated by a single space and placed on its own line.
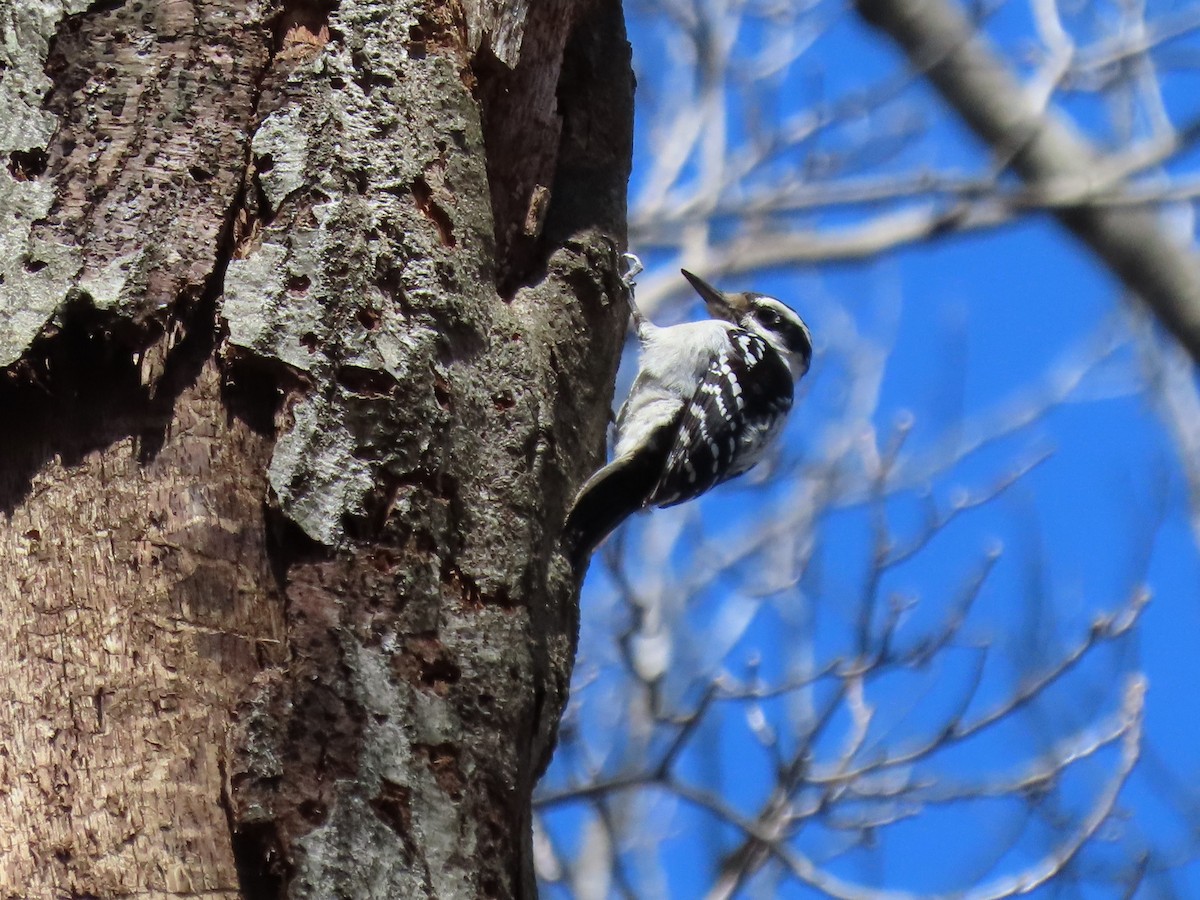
x=128 y=223
x=352 y=291
x=433 y=439
x=355 y=844
x=36 y=275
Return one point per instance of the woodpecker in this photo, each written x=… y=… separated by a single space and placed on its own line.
x=709 y=399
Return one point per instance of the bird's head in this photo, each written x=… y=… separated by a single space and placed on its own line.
x=772 y=320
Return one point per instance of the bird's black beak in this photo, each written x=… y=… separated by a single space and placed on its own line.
x=718 y=304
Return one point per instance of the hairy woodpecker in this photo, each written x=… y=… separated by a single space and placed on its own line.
x=708 y=400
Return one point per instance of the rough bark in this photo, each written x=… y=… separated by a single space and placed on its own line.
x=310 y=317
x=1047 y=151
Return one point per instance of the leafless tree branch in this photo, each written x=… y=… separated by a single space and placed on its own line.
x=1046 y=151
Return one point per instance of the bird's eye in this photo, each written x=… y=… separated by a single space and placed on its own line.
x=768 y=317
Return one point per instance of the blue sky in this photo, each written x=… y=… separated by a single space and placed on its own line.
x=971 y=325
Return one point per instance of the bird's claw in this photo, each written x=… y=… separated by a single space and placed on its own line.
x=633 y=268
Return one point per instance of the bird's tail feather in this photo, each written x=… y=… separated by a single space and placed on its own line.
x=608 y=498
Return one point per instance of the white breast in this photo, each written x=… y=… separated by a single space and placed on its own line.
x=673 y=361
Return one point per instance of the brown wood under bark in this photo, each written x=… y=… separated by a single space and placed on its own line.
x=136 y=603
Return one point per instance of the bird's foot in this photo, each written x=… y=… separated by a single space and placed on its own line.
x=633 y=268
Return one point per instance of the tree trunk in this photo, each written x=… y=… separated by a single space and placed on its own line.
x=309 y=317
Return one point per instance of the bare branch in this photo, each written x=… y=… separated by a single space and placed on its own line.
x=797 y=247
x=1044 y=147
x=1172 y=385
x=1104 y=628
x=1017 y=884
x=1133 y=707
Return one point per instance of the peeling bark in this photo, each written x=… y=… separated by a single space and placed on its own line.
x=135 y=116
x=301 y=389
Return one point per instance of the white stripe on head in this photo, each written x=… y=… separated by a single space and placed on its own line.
x=780 y=326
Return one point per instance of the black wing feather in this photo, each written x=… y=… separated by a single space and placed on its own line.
x=613 y=494
x=727 y=423
x=720 y=433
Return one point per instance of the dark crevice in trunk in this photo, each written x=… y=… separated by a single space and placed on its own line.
x=254 y=388
x=564 y=169
x=521 y=130
x=262 y=874
x=596 y=143
x=310 y=15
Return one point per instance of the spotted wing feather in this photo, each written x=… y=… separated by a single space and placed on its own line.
x=735 y=413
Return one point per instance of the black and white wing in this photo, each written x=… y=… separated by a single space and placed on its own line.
x=735 y=413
